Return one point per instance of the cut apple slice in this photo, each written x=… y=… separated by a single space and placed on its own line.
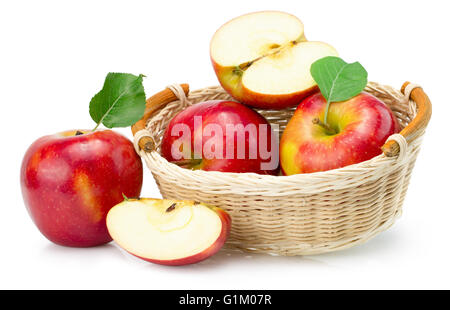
x=263 y=59
x=168 y=232
x=287 y=72
x=251 y=36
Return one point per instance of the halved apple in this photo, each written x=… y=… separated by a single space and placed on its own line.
x=168 y=232
x=263 y=59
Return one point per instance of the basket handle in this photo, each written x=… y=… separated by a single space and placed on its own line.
x=391 y=148
x=152 y=104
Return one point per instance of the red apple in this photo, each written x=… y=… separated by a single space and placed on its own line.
x=70 y=180
x=168 y=232
x=359 y=128
x=222 y=136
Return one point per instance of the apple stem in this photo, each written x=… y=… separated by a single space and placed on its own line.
x=186 y=163
x=276 y=48
x=246 y=65
x=96 y=126
x=325 y=119
x=325 y=126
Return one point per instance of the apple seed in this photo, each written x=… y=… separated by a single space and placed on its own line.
x=171 y=208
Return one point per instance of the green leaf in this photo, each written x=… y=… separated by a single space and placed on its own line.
x=338 y=80
x=120 y=103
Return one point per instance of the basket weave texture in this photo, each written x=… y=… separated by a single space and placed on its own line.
x=300 y=214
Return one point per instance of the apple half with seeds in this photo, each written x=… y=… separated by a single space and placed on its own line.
x=168 y=232
x=262 y=59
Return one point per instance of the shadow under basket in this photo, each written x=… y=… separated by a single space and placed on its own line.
x=300 y=214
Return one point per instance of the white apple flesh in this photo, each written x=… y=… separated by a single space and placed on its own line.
x=263 y=59
x=168 y=232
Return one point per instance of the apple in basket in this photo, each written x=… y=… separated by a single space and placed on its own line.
x=70 y=180
x=262 y=59
x=220 y=135
x=168 y=232
x=328 y=130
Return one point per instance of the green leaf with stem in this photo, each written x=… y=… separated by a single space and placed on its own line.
x=120 y=103
x=338 y=80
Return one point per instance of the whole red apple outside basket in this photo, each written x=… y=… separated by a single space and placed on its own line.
x=300 y=214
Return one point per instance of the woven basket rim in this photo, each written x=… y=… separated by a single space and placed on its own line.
x=360 y=165
x=377 y=162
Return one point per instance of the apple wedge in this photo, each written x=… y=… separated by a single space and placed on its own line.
x=263 y=59
x=168 y=232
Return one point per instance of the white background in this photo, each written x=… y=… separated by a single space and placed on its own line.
x=54 y=56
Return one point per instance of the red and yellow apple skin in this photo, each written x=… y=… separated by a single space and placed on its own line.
x=222 y=113
x=69 y=182
x=232 y=83
x=363 y=124
x=210 y=251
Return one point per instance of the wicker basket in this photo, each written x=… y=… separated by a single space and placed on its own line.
x=299 y=214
